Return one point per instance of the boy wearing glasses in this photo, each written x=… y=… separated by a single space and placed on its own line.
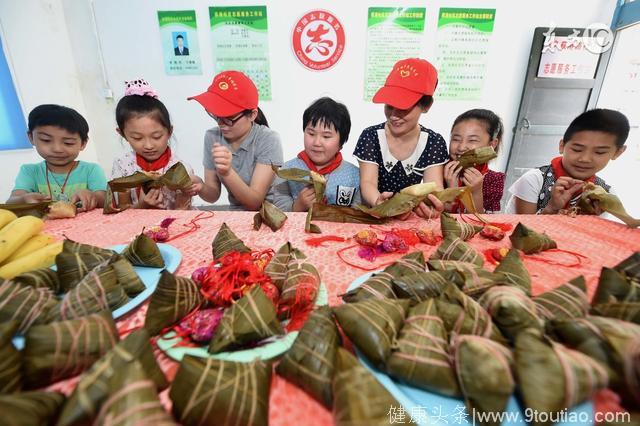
x=239 y=152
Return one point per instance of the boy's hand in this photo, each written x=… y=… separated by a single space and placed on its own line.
x=87 y=198
x=196 y=186
x=305 y=199
x=472 y=178
x=153 y=199
x=428 y=212
x=563 y=191
x=222 y=158
x=35 y=197
x=452 y=173
x=382 y=197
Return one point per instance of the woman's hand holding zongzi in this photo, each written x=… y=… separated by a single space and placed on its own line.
x=382 y=197
x=427 y=212
x=196 y=186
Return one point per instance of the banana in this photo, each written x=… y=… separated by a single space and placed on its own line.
x=41 y=258
x=6 y=216
x=34 y=243
x=18 y=232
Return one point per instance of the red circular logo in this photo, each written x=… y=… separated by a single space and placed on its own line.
x=318 y=40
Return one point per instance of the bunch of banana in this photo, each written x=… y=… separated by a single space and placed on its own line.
x=22 y=246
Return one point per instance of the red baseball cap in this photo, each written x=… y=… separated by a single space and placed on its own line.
x=230 y=93
x=409 y=80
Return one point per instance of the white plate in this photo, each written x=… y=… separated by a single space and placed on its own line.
x=433 y=409
x=272 y=347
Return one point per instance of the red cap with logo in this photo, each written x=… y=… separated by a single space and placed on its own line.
x=409 y=80
x=230 y=93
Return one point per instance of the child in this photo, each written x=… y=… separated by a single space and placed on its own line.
x=144 y=122
x=400 y=152
x=592 y=139
x=326 y=125
x=240 y=151
x=59 y=134
x=475 y=128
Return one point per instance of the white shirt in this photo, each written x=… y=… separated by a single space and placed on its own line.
x=528 y=188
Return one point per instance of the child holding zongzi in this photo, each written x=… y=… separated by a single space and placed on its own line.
x=144 y=122
x=59 y=134
x=326 y=125
x=592 y=139
x=476 y=128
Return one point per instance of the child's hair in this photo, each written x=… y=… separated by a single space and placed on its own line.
x=136 y=106
x=330 y=113
x=492 y=122
x=600 y=120
x=60 y=116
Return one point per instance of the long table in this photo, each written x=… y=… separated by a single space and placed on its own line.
x=603 y=243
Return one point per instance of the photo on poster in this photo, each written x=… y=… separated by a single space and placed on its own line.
x=181 y=43
x=179 y=36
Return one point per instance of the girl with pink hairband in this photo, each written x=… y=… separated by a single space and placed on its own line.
x=144 y=122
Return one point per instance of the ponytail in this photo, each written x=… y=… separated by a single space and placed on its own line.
x=261 y=119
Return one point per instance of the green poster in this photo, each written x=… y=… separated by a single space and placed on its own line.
x=179 y=36
x=393 y=33
x=240 y=42
x=463 y=45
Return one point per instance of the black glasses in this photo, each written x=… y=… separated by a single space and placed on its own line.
x=226 y=120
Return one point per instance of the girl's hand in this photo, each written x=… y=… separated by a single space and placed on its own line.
x=153 y=199
x=382 y=197
x=196 y=186
x=452 y=173
x=305 y=199
x=472 y=178
x=86 y=198
x=222 y=159
x=34 y=197
x=428 y=212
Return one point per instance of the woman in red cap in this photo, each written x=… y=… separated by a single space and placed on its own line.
x=239 y=152
x=400 y=152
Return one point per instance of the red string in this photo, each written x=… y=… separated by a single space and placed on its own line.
x=229 y=277
x=578 y=257
x=503 y=226
x=192 y=224
x=317 y=242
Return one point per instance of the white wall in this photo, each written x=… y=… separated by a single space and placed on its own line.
x=36 y=42
x=129 y=36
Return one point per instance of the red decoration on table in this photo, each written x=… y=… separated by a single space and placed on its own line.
x=160 y=233
x=317 y=242
x=495 y=255
x=493 y=233
x=234 y=274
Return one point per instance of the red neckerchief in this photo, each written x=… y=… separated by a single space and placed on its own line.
x=335 y=163
x=559 y=171
x=158 y=164
x=457 y=206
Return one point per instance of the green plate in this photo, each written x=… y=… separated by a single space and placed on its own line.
x=270 y=348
